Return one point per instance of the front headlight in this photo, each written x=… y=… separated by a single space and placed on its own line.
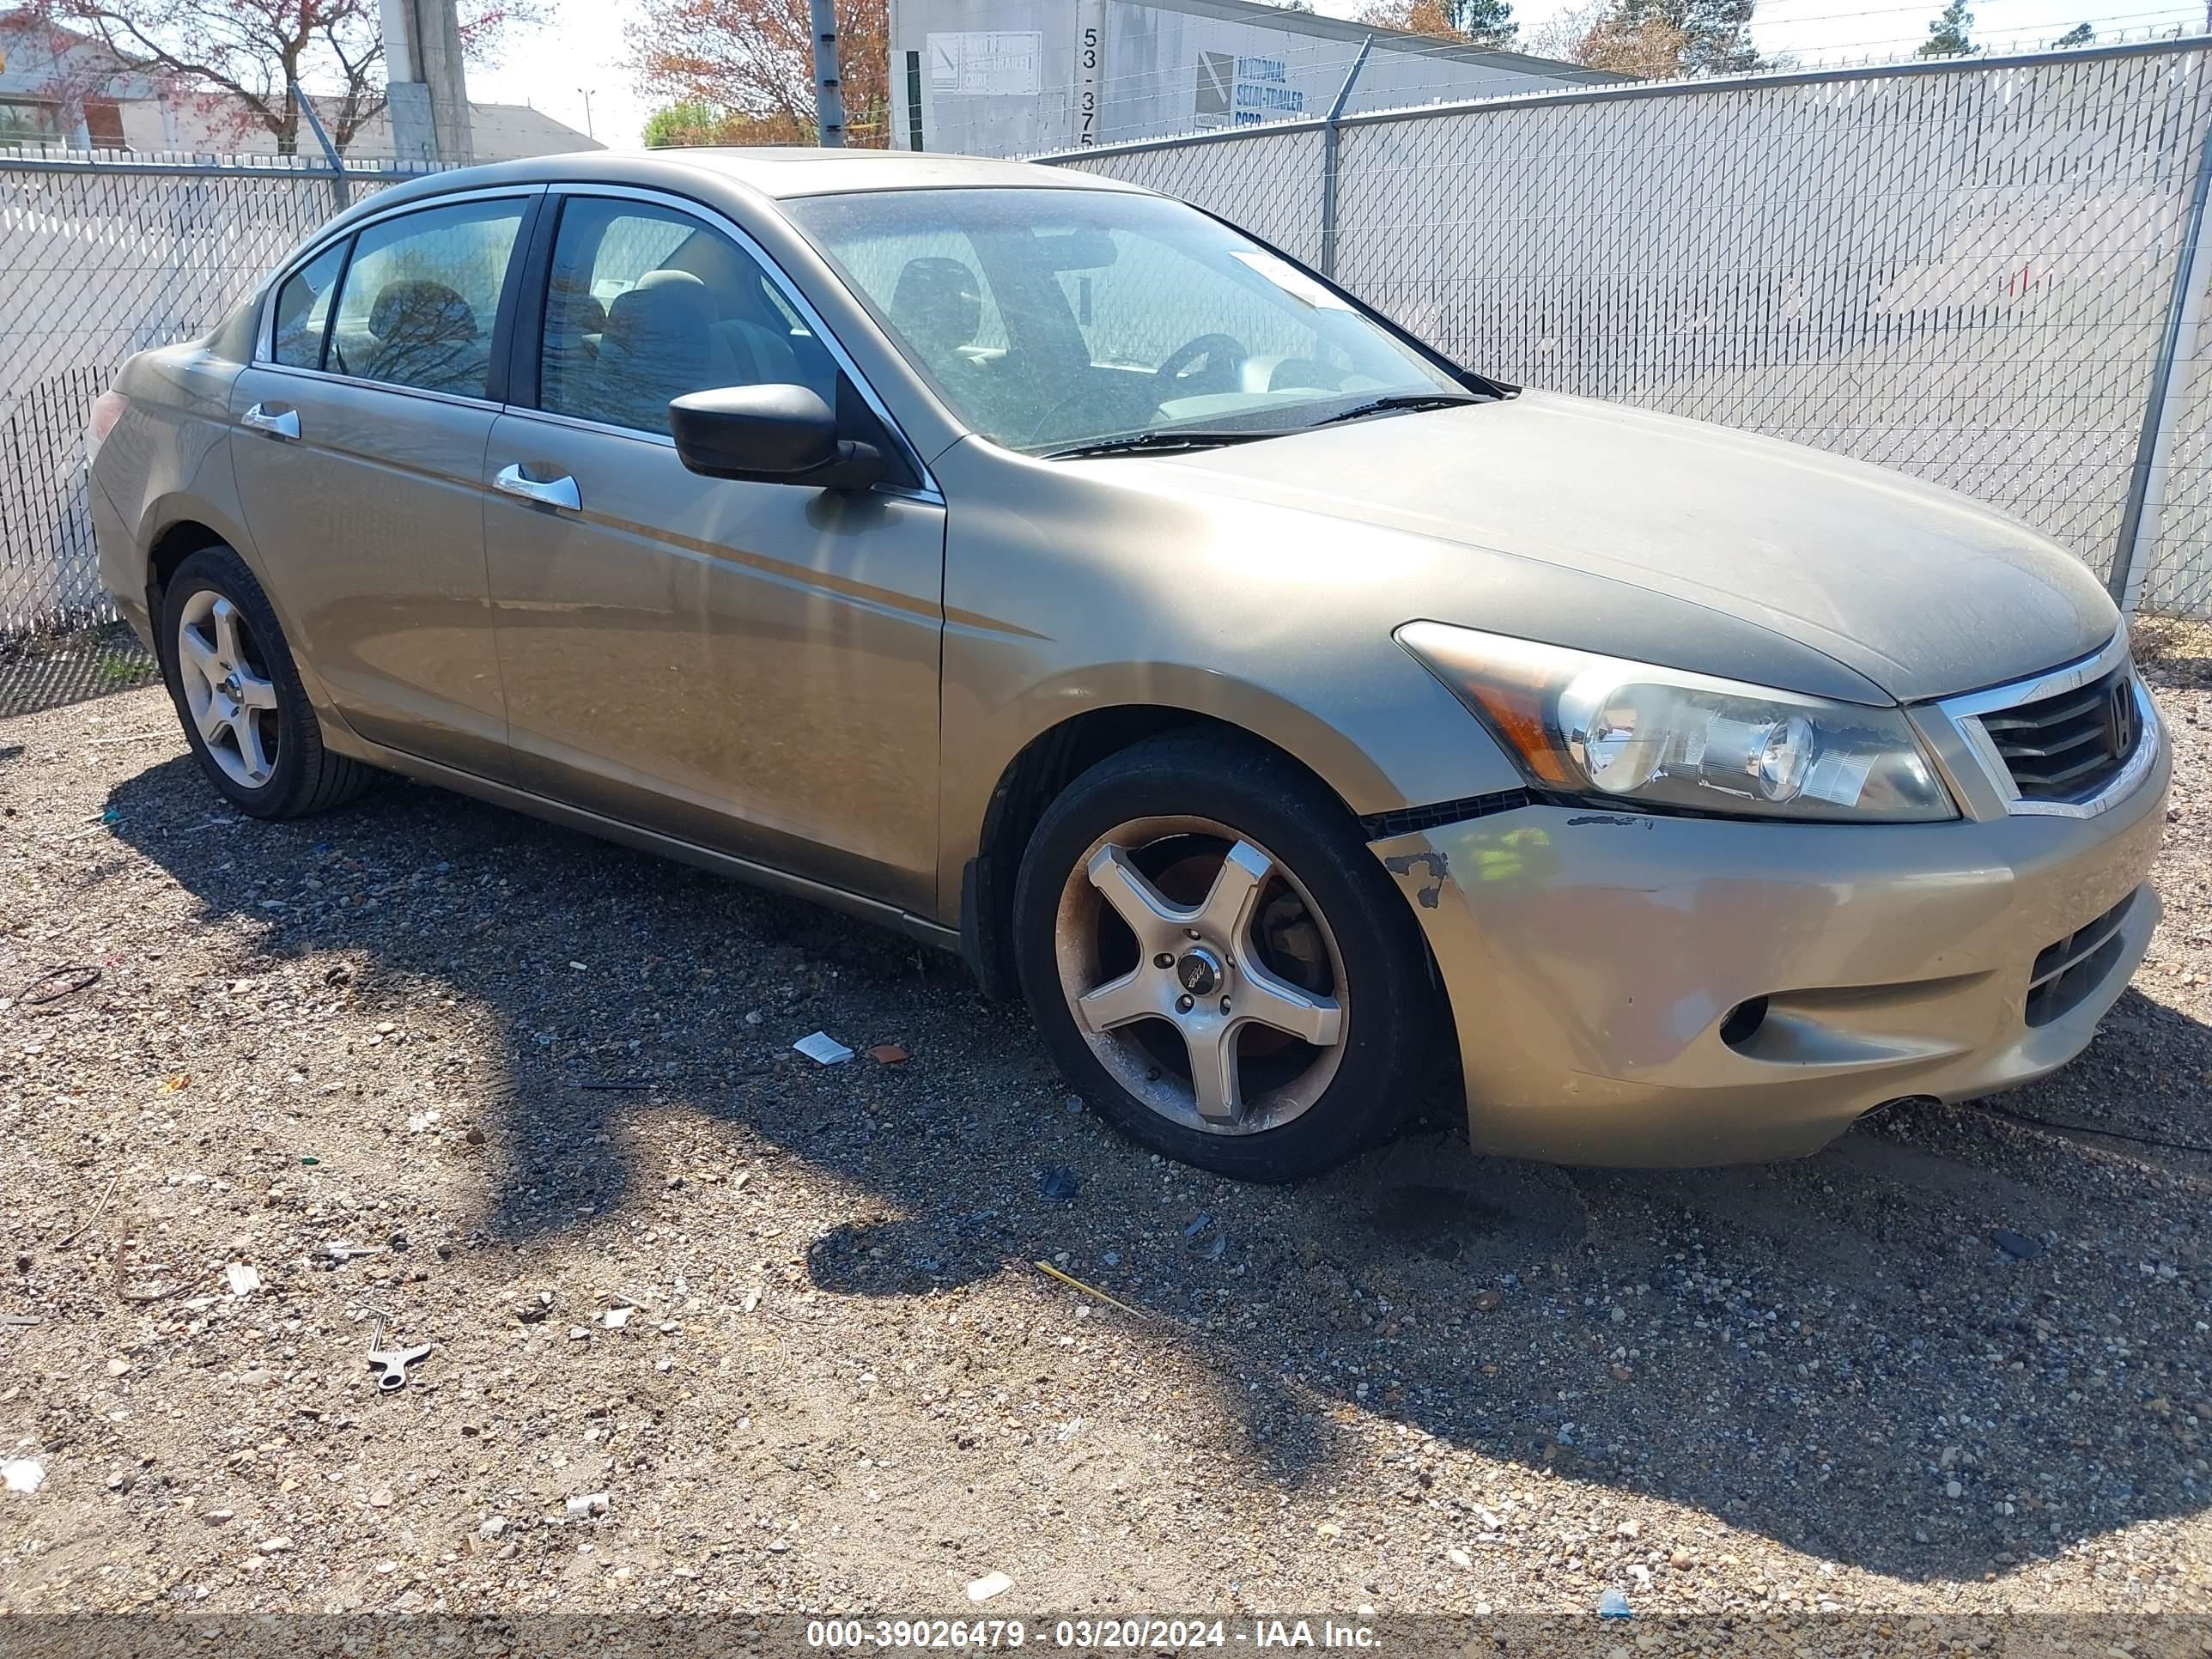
x=1583 y=725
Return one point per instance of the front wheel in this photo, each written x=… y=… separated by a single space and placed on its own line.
x=1218 y=964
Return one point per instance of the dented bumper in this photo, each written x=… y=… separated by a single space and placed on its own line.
x=1639 y=990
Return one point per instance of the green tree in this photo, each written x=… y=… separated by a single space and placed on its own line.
x=1947 y=35
x=2079 y=35
x=1661 y=40
x=682 y=126
x=1486 y=22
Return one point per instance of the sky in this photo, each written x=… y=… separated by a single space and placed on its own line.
x=580 y=47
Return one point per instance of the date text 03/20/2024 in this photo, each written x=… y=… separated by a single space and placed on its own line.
x=1093 y=1635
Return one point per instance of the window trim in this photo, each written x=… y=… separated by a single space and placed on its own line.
x=541 y=275
x=330 y=312
x=264 y=339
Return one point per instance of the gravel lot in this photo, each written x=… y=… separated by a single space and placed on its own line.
x=785 y=1317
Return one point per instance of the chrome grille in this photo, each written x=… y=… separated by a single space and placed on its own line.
x=2067 y=972
x=2066 y=747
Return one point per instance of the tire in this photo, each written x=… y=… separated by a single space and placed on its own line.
x=239 y=698
x=1294 y=918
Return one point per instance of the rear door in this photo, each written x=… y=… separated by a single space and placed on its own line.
x=360 y=447
x=752 y=667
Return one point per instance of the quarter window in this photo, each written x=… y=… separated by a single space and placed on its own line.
x=303 y=309
x=647 y=304
x=421 y=297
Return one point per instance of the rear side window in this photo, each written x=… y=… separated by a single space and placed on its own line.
x=421 y=297
x=303 y=309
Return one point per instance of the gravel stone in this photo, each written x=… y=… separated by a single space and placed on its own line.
x=871 y=1396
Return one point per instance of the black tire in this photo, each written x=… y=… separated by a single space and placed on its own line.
x=306 y=777
x=1389 y=1035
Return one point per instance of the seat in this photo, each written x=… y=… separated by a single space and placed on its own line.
x=659 y=344
x=576 y=321
x=741 y=353
x=426 y=336
x=755 y=335
x=938 y=307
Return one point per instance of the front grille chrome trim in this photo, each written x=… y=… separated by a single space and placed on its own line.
x=1964 y=713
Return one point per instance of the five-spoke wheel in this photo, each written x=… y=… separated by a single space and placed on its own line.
x=231 y=698
x=239 y=695
x=1218 y=961
x=1201 y=974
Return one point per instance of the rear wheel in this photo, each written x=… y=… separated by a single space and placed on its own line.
x=1218 y=964
x=239 y=697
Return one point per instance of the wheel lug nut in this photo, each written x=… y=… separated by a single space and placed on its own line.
x=1190 y=932
x=1184 y=1004
x=1225 y=1004
x=1163 y=960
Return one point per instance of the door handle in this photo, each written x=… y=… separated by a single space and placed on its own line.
x=559 y=492
x=278 y=421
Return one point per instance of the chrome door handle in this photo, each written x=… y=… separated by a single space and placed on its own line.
x=557 y=492
x=277 y=423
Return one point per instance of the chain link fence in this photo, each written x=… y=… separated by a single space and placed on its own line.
x=1973 y=272
x=101 y=256
x=1967 y=271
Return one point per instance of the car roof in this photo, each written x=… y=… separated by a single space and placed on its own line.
x=784 y=171
x=778 y=173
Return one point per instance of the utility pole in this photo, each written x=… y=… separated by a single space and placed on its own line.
x=829 y=96
x=428 y=95
x=590 y=132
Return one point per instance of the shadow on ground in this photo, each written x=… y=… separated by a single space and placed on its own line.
x=51 y=671
x=1950 y=1343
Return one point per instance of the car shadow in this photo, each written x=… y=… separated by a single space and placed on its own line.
x=1944 y=1329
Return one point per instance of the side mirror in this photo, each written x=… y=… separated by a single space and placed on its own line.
x=769 y=434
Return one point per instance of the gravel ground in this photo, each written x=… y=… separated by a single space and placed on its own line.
x=533 y=1098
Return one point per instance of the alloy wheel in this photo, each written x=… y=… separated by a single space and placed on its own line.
x=232 y=700
x=1202 y=974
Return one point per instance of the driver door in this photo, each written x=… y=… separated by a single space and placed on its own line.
x=749 y=667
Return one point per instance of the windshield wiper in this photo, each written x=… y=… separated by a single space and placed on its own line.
x=1156 y=443
x=1403 y=400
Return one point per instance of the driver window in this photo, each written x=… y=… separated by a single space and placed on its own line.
x=647 y=304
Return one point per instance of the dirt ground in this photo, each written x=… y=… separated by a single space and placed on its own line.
x=713 y=1327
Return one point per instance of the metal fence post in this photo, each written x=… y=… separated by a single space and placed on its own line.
x=2176 y=358
x=1328 y=153
x=829 y=90
x=339 y=192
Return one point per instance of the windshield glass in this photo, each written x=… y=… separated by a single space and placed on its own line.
x=1051 y=319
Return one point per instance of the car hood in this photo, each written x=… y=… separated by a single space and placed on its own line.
x=1917 y=591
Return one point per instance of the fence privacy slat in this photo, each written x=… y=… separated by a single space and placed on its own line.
x=99 y=259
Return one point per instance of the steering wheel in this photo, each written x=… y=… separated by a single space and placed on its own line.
x=1122 y=401
x=1224 y=358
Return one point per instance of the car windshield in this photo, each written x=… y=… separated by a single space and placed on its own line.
x=1058 y=320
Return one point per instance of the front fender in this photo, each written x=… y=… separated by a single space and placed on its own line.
x=1410 y=743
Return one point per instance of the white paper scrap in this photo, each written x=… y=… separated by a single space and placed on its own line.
x=823 y=1049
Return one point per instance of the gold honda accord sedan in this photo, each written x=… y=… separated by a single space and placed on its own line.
x=1046 y=568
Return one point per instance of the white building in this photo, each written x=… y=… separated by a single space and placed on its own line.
x=60 y=89
x=1020 y=77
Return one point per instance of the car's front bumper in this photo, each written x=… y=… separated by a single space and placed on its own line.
x=1592 y=958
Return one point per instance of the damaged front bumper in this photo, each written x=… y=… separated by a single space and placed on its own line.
x=1632 y=990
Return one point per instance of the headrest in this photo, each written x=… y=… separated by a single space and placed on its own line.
x=662 y=316
x=936 y=304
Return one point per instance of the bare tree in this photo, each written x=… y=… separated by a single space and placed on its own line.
x=243 y=61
